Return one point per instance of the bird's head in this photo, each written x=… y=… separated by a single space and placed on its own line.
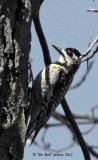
x=70 y=57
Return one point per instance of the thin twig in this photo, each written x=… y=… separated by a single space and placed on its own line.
x=92 y=151
x=91 y=56
x=94 y=147
x=91 y=37
x=93 y=110
x=81 y=116
x=89 y=130
x=92 y=10
x=89 y=49
x=82 y=80
x=90 y=40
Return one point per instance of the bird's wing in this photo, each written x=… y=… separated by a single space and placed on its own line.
x=43 y=90
x=49 y=78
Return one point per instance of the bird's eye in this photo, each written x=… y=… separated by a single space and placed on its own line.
x=70 y=54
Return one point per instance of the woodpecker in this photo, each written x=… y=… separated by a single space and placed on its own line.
x=50 y=86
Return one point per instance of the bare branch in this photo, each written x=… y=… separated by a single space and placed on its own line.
x=80 y=116
x=91 y=37
x=93 y=110
x=90 y=148
x=89 y=130
x=40 y=34
x=92 y=151
x=91 y=56
x=82 y=80
x=76 y=130
x=92 y=10
x=89 y=49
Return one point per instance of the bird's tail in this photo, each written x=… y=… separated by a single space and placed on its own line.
x=30 y=129
x=29 y=132
x=34 y=136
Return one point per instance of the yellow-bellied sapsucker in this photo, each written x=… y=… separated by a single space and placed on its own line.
x=50 y=86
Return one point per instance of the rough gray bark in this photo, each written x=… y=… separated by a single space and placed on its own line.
x=15 y=37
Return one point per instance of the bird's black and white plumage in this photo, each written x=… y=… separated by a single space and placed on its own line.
x=50 y=86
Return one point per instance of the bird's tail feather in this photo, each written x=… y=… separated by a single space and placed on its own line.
x=30 y=130
x=34 y=136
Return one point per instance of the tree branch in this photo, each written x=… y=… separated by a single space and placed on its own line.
x=92 y=10
x=76 y=130
x=92 y=151
x=40 y=34
x=90 y=119
x=82 y=80
x=84 y=54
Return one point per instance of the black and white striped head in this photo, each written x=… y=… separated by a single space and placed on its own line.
x=69 y=56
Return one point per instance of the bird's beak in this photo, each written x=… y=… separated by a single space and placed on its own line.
x=58 y=49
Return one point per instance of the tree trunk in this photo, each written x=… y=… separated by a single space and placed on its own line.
x=15 y=37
